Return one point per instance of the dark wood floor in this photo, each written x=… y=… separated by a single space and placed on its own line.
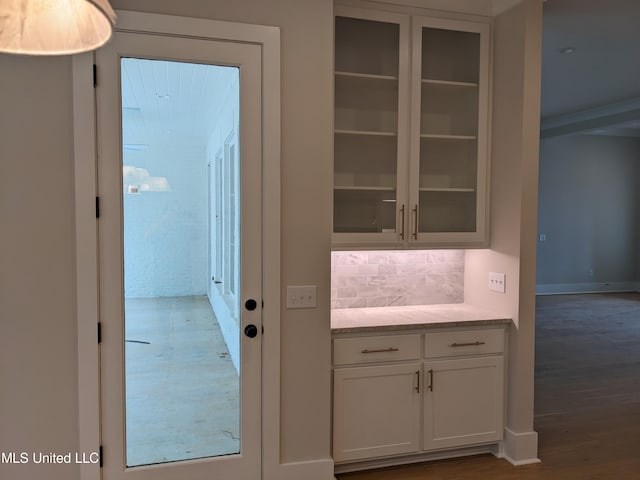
x=587 y=410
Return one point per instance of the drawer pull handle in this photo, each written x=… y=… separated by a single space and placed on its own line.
x=390 y=349
x=470 y=344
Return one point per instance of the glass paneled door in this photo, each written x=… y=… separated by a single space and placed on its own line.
x=179 y=162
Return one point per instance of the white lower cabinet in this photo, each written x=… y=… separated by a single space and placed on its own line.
x=393 y=398
x=375 y=411
x=463 y=402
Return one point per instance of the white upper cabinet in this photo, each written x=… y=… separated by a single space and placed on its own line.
x=371 y=125
x=411 y=130
x=449 y=131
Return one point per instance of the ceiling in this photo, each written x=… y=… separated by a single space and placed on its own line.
x=170 y=103
x=597 y=87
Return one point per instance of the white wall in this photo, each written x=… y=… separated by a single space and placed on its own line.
x=588 y=211
x=38 y=371
x=223 y=134
x=166 y=231
x=514 y=182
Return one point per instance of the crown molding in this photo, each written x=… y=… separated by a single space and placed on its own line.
x=501 y=6
x=601 y=117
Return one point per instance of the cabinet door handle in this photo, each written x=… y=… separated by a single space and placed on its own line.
x=402 y=222
x=390 y=349
x=417 y=381
x=470 y=344
x=431 y=379
x=415 y=222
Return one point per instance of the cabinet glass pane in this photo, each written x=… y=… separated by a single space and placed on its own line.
x=365 y=161
x=450 y=55
x=447 y=211
x=366 y=46
x=366 y=104
x=448 y=130
x=363 y=210
x=366 y=125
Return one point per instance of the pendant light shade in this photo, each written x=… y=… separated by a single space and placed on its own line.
x=54 y=27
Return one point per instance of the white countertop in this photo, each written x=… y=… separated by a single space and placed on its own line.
x=347 y=320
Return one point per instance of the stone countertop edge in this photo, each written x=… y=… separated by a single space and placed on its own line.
x=381 y=319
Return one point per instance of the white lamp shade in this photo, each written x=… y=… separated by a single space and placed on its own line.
x=54 y=27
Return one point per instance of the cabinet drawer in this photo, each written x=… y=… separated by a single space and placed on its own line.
x=463 y=342
x=386 y=348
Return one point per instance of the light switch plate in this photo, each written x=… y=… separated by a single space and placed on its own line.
x=301 y=296
x=497 y=282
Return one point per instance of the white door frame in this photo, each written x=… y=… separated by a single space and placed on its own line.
x=85 y=164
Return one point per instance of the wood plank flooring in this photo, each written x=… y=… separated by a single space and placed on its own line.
x=587 y=398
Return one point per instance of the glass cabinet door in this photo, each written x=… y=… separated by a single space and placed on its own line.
x=369 y=136
x=449 y=136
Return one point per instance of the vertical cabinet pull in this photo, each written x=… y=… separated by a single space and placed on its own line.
x=402 y=222
x=415 y=222
x=417 y=381
x=431 y=379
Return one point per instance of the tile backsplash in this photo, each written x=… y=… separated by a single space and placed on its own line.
x=396 y=278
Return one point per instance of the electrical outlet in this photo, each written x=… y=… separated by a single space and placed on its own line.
x=301 y=296
x=497 y=282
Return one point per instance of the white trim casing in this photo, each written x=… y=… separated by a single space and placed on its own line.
x=86 y=226
x=86 y=261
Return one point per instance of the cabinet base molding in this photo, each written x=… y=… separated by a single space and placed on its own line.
x=519 y=448
x=416 y=458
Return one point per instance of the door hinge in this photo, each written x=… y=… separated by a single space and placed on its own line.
x=95 y=75
x=97 y=207
x=99 y=332
x=100 y=452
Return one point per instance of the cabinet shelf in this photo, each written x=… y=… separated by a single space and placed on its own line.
x=369 y=76
x=447 y=189
x=366 y=132
x=437 y=136
x=449 y=83
x=364 y=188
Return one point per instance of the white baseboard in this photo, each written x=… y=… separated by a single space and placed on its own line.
x=414 y=458
x=568 y=288
x=310 y=470
x=519 y=448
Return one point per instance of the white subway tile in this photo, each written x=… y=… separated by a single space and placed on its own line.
x=377 y=302
x=367 y=269
x=376 y=279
